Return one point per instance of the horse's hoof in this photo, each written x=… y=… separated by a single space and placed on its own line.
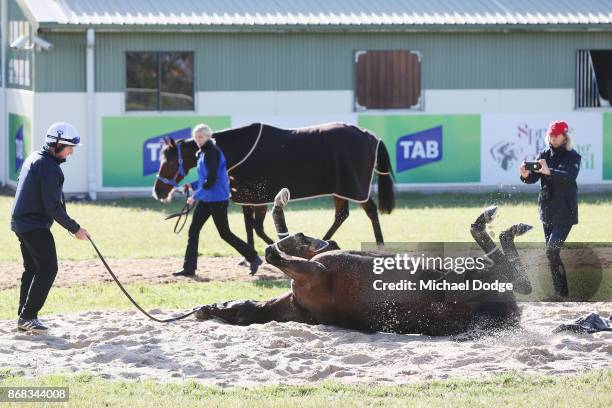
x=521 y=229
x=515 y=231
x=487 y=216
x=490 y=213
x=202 y=313
x=282 y=198
x=243 y=262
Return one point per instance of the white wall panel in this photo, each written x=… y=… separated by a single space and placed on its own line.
x=64 y=107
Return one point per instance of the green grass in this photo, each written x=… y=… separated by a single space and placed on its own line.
x=585 y=390
x=177 y=296
x=135 y=228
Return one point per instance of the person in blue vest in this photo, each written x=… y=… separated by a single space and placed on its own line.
x=39 y=200
x=558 y=199
x=211 y=195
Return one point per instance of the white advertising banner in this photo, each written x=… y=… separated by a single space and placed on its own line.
x=508 y=139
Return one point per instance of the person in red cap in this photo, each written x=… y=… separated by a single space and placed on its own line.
x=558 y=199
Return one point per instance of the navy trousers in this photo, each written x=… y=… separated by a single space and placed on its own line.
x=40 y=269
x=555 y=235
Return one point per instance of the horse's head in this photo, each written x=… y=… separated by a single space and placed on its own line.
x=300 y=246
x=172 y=169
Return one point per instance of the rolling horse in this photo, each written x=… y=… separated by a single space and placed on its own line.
x=337 y=287
x=334 y=159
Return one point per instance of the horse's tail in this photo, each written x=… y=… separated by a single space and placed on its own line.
x=386 y=192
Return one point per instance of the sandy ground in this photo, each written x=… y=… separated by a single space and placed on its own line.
x=124 y=345
x=141 y=270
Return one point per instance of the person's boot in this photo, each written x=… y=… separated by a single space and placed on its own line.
x=557 y=271
x=31 y=325
x=184 y=272
x=559 y=280
x=255 y=265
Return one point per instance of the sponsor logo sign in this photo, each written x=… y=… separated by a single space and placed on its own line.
x=430 y=148
x=418 y=149
x=151 y=149
x=19 y=143
x=510 y=139
x=131 y=146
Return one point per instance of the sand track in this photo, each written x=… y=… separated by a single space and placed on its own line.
x=124 y=345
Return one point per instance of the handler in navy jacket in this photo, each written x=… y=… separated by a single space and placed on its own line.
x=39 y=201
x=558 y=197
x=211 y=197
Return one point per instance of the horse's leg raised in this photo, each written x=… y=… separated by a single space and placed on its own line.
x=506 y=238
x=372 y=212
x=260 y=215
x=245 y=312
x=342 y=213
x=501 y=263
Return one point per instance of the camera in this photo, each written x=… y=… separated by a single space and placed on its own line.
x=533 y=166
x=42 y=44
x=19 y=43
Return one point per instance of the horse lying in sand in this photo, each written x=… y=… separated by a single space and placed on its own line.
x=336 y=287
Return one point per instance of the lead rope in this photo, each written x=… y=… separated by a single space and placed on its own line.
x=179 y=215
x=125 y=292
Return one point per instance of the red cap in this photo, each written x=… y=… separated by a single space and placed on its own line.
x=557 y=128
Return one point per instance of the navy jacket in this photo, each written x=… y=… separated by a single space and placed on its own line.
x=213 y=182
x=559 y=194
x=39 y=199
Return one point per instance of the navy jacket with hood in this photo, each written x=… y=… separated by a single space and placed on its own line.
x=39 y=199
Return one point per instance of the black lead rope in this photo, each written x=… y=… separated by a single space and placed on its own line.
x=173 y=319
x=179 y=216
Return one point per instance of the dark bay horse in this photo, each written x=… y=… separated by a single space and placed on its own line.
x=332 y=159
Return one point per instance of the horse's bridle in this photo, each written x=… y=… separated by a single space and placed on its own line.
x=181 y=171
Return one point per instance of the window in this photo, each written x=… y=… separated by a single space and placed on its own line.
x=387 y=80
x=159 y=81
x=593 y=78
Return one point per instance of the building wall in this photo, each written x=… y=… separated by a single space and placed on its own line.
x=324 y=61
x=305 y=78
x=68 y=107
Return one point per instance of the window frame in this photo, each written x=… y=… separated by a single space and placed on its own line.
x=419 y=106
x=586 y=77
x=158 y=108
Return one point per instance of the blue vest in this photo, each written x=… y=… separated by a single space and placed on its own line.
x=220 y=191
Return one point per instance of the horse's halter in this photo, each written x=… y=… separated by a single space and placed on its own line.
x=181 y=170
